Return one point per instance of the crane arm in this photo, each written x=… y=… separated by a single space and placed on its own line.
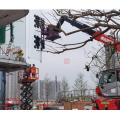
x=98 y=36
x=75 y=23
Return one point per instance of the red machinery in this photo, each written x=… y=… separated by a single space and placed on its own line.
x=108 y=92
x=12 y=103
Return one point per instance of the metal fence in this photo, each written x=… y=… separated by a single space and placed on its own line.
x=76 y=95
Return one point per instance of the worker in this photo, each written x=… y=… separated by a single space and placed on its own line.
x=33 y=70
x=19 y=54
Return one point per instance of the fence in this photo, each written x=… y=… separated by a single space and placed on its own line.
x=86 y=94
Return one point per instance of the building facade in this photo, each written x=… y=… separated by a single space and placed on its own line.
x=12 y=86
x=19 y=32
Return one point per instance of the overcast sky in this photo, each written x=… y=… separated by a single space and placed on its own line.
x=54 y=64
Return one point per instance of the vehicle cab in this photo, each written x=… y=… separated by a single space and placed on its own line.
x=109 y=82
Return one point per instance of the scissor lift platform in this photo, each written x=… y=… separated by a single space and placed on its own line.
x=26 y=89
x=27 y=80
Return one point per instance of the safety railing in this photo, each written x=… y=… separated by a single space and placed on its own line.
x=8 y=52
x=22 y=75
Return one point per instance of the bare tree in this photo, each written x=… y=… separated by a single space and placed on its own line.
x=98 y=60
x=64 y=86
x=47 y=88
x=80 y=86
x=104 y=21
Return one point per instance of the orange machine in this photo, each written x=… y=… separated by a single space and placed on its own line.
x=35 y=76
x=27 y=75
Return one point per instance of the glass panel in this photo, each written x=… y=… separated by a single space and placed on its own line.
x=19 y=33
x=107 y=77
x=2 y=35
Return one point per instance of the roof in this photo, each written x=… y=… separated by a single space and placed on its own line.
x=8 y=16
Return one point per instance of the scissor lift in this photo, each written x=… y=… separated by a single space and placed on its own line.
x=26 y=91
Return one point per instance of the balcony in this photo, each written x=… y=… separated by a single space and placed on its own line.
x=9 y=61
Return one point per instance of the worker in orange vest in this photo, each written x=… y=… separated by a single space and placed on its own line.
x=33 y=71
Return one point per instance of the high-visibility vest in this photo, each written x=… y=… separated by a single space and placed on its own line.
x=33 y=70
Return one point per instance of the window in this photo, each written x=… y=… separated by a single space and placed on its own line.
x=107 y=77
